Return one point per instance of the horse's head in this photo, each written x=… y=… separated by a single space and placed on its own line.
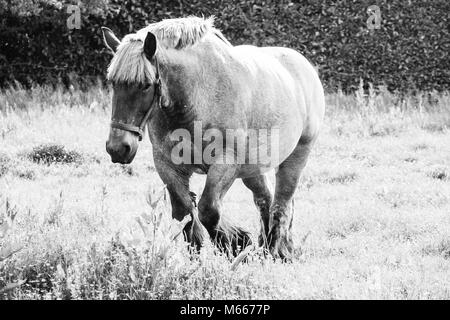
x=136 y=91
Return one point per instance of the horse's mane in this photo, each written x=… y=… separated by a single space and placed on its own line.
x=130 y=65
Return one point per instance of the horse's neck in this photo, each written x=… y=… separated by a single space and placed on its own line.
x=177 y=110
x=185 y=77
x=190 y=69
x=181 y=76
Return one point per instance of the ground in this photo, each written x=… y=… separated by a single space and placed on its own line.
x=371 y=215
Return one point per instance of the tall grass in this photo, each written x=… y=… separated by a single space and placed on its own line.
x=16 y=97
x=371 y=213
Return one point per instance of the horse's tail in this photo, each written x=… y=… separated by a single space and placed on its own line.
x=228 y=237
x=231 y=238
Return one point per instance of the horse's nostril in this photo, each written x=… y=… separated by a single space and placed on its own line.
x=127 y=148
x=119 y=151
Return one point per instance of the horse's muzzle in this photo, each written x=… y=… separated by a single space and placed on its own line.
x=120 y=152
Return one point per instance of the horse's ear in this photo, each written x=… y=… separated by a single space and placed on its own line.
x=150 y=45
x=110 y=39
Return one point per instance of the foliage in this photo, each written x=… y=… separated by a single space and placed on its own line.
x=53 y=153
x=408 y=52
x=3 y=164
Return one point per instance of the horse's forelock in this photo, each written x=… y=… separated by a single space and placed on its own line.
x=129 y=64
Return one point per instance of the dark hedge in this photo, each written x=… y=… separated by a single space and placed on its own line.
x=409 y=51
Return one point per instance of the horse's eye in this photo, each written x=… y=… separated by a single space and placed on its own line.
x=146 y=86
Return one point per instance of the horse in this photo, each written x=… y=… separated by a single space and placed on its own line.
x=183 y=74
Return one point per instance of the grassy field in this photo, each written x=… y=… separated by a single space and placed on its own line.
x=372 y=213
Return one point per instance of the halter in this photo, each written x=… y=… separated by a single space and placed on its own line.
x=139 y=130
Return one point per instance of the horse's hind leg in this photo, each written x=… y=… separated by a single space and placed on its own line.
x=263 y=199
x=225 y=235
x=279 y=235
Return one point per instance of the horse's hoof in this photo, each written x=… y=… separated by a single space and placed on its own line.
x=240 y=242
x=281 y=248
x=284 y=255
x=262 y=241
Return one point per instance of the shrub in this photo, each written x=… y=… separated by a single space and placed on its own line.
x=53 y=153
x=408 y=52
x=4 y=164
x=439 y=173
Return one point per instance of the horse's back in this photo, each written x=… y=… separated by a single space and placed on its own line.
x=300 y=83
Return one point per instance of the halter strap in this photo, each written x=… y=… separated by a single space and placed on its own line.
x=139 y=130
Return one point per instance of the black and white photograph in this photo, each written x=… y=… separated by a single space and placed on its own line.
x=245 y=151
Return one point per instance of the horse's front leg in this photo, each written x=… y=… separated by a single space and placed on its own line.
x=176 y=179
x=225 y=235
